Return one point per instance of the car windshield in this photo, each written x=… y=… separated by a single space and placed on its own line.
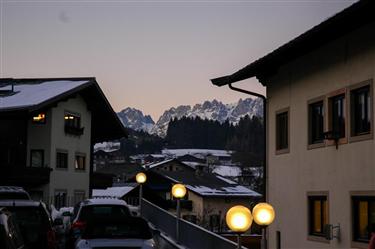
x=128 y=228
x=13 y=196
x=89 y=212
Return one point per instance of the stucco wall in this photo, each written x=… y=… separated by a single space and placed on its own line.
x=342 y=63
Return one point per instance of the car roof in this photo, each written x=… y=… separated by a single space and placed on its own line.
x=19 y=203
x=103 y=201
x=12 y=189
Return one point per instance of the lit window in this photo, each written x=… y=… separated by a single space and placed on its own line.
x=363 y=217
x=73 y=124
x=39 y=118
x=318 y=214
x=79 y=163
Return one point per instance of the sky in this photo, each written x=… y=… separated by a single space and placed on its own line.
x=151 y=55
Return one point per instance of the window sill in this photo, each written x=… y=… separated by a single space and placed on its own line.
x=341 y=141
x=283 y=151
x=359 y=138
x=317 y=238
x=316 y=145
x=357 y=244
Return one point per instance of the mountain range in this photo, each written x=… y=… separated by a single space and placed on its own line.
x=213 y=110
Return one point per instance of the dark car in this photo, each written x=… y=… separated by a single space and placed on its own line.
x=13 y=193
x=34 y=222
x=10 y=235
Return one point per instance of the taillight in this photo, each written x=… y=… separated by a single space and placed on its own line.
x=51 y=239
x=79 y=225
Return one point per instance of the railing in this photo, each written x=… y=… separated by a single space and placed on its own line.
x=191 y=235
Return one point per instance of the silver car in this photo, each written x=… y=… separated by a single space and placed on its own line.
x=116 y=232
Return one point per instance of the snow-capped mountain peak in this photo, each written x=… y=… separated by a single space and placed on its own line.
x=133 y=118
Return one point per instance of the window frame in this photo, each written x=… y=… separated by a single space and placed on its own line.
x=311 y=196
x=330 y=96
x=78 y=154
x=60 y=192
x=310 y=144
x=360 y=137
x=287 y=149
x=358 y=195
x=76 y=130
x=31 y=158
x=59 y=151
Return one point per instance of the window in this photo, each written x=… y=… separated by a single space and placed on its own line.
x=337 y=116
x=282 y=131
x=316 y=122
x=73 y=124
x=318 y=214
x=37 y=158
x=80 y=162
x=79 y=195
x=360 y=111
x=39 y=118
x=363 y=217
x=61 y=160
x=60 y=198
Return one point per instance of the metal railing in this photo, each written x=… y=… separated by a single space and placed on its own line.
x=191 y=236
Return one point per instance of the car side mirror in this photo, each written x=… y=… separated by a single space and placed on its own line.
x=58 y=222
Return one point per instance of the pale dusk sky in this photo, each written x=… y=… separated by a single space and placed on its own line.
x=151 y=55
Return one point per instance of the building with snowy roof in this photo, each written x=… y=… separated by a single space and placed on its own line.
x=47 y=131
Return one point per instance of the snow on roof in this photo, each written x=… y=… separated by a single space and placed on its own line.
x=117 y=192
x=226 y=180
x=103 y=201
x=236 y=190
x=182 y=152
x=226 y=170
x=152 y=165
x=27 y=95
x=107 y=146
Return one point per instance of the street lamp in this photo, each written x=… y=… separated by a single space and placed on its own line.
x=264 y=214
x=178 y=192
x=239 y=220
x=140 y=178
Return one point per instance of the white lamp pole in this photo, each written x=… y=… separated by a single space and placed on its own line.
x=178 y=192
x=264 y=214
x=140 y=178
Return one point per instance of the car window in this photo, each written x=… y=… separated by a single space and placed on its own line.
x=14 y=196
x=89 y=212
x=130 y=228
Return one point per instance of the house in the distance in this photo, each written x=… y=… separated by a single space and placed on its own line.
x=320 y=133
x=47 y=131
x=208 y=198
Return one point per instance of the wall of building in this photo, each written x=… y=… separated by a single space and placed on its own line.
x=342 y=63
x=78 y=180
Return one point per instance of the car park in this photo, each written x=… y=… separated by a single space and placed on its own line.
x=10 y=235
x=34 y=222
x=13 y=193
x=116 y=232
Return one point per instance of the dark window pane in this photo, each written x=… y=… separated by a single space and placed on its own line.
x=316 y=122
x=338 y=115
x=36 y=158
x=282 y=131
x=80 y=162
x=62 y=160
x=361 y=111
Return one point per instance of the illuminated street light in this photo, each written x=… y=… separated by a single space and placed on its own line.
x=239 y=220
x=178 y=192
x=140 y=178
x=264 y=214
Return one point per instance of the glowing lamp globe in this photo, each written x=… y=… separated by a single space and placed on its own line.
x=141 y=178
x=178 y=190
x=239 y=219
x=263 y=213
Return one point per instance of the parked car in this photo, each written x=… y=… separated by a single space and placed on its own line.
x=94 y=208
x=13 y=193
x=34 y=222
x=116 y=232
x=10 y=235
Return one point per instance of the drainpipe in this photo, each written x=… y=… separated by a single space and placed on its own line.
x=264 y=132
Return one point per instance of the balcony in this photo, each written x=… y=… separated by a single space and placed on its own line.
x=77 y=131
x=25 y=176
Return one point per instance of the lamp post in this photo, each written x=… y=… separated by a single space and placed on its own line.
x=178 y=192
x=140 y=178
x=239 y=220
x=264 y=214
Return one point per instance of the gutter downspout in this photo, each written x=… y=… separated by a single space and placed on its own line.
x=264 y=133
